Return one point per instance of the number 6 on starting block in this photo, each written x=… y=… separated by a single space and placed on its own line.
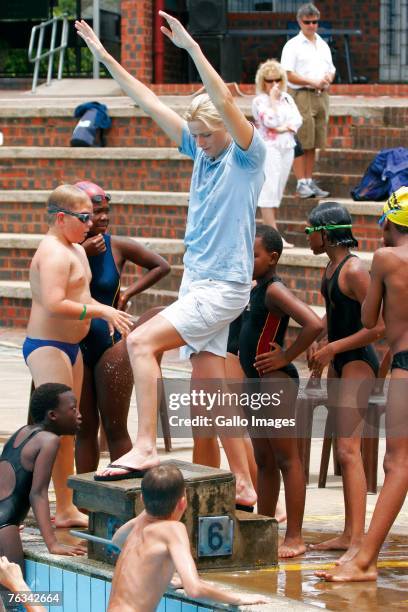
x=215 y=536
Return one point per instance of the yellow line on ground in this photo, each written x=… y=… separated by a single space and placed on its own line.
x=298 y=567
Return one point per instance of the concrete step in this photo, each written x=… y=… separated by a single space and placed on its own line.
x=50 y=122
x=145 y=168
x=15 y=303
x=164 y=214
x=300 y=270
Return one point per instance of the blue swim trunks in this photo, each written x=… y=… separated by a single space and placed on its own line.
x=31 y=344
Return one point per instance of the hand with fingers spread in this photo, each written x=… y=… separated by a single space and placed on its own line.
x=94 y=44
x=94 y=245
x=117 y=319
x=269 y=362
x=177 y=33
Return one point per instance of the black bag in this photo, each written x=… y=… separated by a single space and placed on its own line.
x=94 y=119
x=298 y=148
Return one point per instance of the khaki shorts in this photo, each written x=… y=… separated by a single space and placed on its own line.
x=314 y=108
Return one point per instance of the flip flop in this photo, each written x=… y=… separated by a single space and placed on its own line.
x=244 y=508
x=131 y=473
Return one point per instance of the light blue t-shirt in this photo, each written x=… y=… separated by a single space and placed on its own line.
x=224 y=194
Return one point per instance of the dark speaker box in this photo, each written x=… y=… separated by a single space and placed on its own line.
x=207 y=16
x=224 y=53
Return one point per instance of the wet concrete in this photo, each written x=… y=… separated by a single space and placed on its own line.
x=293 y=582
x=295 y=579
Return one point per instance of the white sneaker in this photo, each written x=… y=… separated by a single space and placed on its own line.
x=304 y=190
x=319 y=193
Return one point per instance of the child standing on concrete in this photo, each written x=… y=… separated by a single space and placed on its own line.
x=388 y=290
x=262 y=328
x=352 y=361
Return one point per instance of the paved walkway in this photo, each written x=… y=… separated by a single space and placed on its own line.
x=324 y=511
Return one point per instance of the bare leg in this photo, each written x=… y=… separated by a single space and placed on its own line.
x=309 y=162
x=349 y=422
x=288 y=461
x=299 y=167
x=363 y=566
x=212 y=367
x=114 y=384
x=206 y=451
x=10 y=545
x=50 y=364
x=86 y=443
x=144 y=344
x=269 y=217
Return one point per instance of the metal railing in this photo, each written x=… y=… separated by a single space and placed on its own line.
x=36 y=59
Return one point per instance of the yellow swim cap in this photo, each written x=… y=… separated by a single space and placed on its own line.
x=396 y=207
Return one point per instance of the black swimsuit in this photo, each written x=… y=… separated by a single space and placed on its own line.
x=255 y=329
x=344 y=319
x=14 y=507
x=400 y=361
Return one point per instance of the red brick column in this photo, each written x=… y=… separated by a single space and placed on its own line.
x=137 y=38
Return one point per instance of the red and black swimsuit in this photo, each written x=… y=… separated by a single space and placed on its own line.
x=252 y=333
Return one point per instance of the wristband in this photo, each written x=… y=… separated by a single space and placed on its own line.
x=83 y=313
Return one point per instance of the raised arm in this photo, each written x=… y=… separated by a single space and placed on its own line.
x=235 y=121
x=165 y=117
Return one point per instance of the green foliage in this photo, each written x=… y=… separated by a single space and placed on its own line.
x=65 y=6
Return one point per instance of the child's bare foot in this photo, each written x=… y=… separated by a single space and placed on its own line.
x=341 y=542
x=70 y=518
x=349 y=572
x=291 y=547
x=349 y=554
x=244 y=492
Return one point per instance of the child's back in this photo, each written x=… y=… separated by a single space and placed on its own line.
x=145 y=565
x=16 y=472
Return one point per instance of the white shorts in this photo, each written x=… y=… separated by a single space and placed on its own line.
x=278 y=163
x=203 y=313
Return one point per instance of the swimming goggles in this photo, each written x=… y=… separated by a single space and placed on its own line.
x=83 y=217
x=98 y=198
x=318 y=228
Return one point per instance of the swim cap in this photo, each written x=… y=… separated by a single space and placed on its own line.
x=92 y=190
x=396 y=207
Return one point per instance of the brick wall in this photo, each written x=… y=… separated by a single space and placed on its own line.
x=137 y=37
x=137 y=51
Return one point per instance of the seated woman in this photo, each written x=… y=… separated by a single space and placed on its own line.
x=108 y=379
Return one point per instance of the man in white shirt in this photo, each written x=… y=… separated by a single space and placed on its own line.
x=308 y=62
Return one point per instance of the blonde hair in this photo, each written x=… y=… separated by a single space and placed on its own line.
x=270 y=68
x=65 y=196
x=202 y=109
